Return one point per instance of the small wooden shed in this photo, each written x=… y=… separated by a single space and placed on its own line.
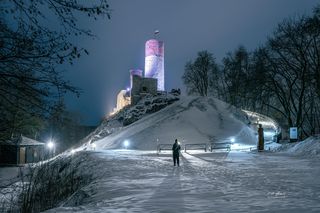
x=21 y=150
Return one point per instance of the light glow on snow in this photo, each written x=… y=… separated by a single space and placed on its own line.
x=126 y=144
x=267 y=123
x=50 y=144
x=238 y=146
x=269 y=133
x=93 y=146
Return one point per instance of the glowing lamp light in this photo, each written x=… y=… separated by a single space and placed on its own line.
x=50 y=144
x=94 y=145
x=232 y=140
x=126 y=144
x=73 y=151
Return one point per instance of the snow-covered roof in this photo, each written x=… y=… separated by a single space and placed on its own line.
x=22 y=141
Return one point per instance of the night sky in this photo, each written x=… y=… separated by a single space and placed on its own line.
x=186 y=27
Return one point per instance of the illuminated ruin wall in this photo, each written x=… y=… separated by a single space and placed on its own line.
x=141 y=87
x=123 y=99
x=132 y=73
x=154 y=62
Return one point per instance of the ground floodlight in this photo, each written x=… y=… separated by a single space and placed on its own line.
x=126 y=144
x=50 y=144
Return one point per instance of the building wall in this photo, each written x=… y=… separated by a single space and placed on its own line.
x=142 y=86
x=34 y=154
x=123 y=99
x=154 y=62
x=133 y=72
x=10 y=154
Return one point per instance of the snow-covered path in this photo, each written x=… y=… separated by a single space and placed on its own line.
x=142 y=181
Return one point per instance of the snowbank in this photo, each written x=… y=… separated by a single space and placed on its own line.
x=307 y=148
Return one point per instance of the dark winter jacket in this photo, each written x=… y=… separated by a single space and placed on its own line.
x=176 y=148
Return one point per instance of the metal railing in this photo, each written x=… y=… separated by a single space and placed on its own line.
x=195 y=146
x=225 y=145
x=164 y=146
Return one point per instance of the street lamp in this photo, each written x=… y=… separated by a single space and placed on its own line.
x=93 y=146
x=51 y=146
x=126 y=144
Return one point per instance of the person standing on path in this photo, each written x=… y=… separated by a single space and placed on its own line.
x=176 y=152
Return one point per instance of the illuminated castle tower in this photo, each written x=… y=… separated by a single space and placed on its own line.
x=154 y=62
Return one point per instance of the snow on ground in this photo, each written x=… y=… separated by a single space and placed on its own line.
x=129 y=114
x=271 y=128
x=9 y=184
x=8 y=173
x=190 y=120
x=142 y=181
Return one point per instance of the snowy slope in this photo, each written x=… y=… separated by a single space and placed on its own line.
x=130 y=114
x=190 y=120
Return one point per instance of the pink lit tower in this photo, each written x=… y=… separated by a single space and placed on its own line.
x=154 y=62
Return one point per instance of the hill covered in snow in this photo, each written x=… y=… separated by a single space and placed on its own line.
x=191 y=120
x=108 y=179
x=130 y=114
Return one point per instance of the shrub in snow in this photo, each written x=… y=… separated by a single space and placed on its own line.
x=46 y=184
x=9 y=194
x=147 y=105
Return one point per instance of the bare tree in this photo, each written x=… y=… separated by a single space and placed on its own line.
x=235 y=71
x=200 y=74
x=280 y=79
x=36 y=36
x=293 y=53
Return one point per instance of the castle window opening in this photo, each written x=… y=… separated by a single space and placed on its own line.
x=144 y=89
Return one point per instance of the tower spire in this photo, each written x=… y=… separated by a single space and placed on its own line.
x=156 y=32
